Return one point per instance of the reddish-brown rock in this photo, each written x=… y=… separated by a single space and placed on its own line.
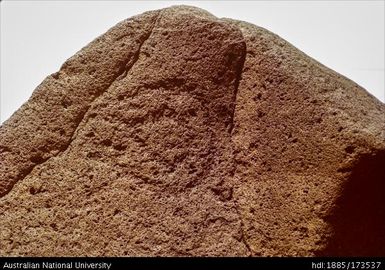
x=176 y=134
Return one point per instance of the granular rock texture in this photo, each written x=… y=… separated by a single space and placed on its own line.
x=179 y=134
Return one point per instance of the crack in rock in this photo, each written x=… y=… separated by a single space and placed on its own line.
x=38 y=159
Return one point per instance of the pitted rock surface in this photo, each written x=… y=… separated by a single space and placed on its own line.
x=177 y=133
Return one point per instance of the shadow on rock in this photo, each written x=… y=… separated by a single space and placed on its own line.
x=359 y=222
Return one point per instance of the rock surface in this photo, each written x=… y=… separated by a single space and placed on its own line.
x=179 y=134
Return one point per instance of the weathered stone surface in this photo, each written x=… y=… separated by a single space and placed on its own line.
x=179 y=134
x=310 y=151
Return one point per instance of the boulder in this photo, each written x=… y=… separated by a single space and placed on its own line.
x=176 y=133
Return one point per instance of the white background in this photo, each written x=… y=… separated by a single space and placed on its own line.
x=38 y=36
